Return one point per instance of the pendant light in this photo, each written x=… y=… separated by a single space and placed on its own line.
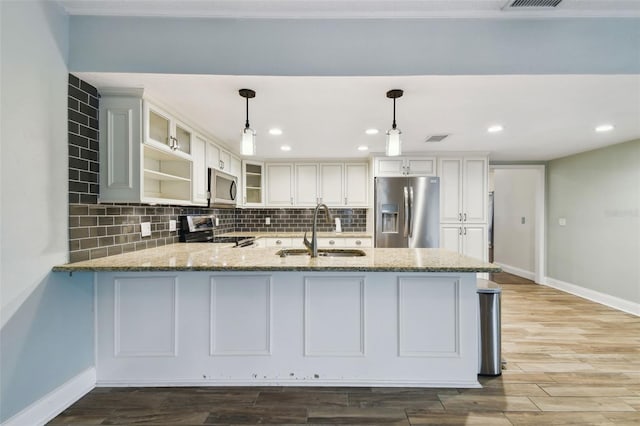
x=393 y=135
x=248 y=145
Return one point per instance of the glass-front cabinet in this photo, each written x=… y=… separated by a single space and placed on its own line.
x=165 y=132
x=253 y=182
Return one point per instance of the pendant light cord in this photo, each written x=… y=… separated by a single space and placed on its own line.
x=246 y=124
x=394 y=114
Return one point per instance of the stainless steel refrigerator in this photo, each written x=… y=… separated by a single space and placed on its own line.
x=407 y=212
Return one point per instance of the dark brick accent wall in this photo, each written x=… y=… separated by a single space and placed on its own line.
x=298 y=220
x=84 y=164
x=98 y=230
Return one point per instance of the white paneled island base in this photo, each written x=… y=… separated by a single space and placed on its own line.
x=286 y=328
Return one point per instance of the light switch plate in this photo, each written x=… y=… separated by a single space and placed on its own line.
x=217 y=221
x=145 y=229
x=172 y=225
x=562 y=221
x=267 y=221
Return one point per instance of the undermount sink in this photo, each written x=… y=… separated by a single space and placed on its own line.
x=322 y=252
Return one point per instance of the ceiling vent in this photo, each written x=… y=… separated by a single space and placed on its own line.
x=436 y=138
x=532 y=3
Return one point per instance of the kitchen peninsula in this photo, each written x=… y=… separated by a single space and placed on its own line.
x=208 y=314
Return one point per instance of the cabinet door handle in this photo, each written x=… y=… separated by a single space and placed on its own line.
x=465 y=231
x=459 y=217
x=465 y=218
x=460 y=231
x=278 y=242
x=221 y=164
x=358 y=242
x=291 y=200
x=345 y=201
x=331 y=242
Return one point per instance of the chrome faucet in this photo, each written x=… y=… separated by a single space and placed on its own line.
x=313 y=245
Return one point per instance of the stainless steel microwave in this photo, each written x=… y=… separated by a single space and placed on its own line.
x=222 y=189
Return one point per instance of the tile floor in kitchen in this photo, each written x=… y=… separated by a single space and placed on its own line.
x=569 y=362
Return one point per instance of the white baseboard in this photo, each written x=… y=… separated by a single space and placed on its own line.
x=56 y=401
x=595 y=296
x=292 y=382
x=517 y=271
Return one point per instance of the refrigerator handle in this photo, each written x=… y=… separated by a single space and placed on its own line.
x=406 y=212
x=411 y=211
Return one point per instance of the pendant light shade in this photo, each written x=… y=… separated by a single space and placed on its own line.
x=248 y=144
x=394 y=144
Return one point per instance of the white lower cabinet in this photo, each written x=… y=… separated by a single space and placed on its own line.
x=470 y=240
x=280 y=242
x=331 y=242
x=358 y=242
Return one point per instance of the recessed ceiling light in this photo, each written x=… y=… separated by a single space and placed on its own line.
x=604 y=128
x=371 y=131
x=495 y=128
x=275 y=131
x=285 y=148
x=363 y=148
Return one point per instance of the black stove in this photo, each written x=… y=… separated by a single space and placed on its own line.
x=199 y=229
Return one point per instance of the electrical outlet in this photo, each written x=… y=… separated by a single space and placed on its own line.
x=562 y=221
x=217 y=221
x=145 y=229
x=267 y=221
x=172 y=225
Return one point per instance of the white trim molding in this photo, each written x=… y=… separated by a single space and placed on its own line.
x=595 y=296
x=517 y=271
x=56 y=401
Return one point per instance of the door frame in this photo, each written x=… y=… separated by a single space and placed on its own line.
x=540 y=244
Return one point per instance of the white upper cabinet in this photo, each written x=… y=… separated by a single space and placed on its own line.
x=199 y=156
x=165 y=132
x=252 y=183
x=356 y=187
x=331 y=188
x=306 y=184
x=236 y=166
x=133 y=171
x=225 y=161
x=405 y=166
x=475 y=190
x=279 y=185
x=213 y=156
x=463 y=189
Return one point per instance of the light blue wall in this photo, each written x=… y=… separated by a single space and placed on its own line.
x=598 y=193
x=355 y=47
x=46 y=328
x=48 y=341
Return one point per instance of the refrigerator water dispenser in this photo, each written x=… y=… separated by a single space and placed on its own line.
x=389 y=218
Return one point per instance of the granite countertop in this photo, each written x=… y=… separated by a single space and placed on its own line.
x=276 y=234
x=220 y=257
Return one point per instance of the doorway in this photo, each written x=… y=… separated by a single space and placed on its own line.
x=517 y=219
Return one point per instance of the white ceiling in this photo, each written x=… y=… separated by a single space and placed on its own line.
x=544 y=117
x=348 y=8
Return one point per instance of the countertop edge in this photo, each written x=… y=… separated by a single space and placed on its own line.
x=269 y=269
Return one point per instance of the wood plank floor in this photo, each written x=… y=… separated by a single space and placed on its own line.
x=569 y=362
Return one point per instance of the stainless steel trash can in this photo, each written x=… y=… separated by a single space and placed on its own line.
x=489 y=294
